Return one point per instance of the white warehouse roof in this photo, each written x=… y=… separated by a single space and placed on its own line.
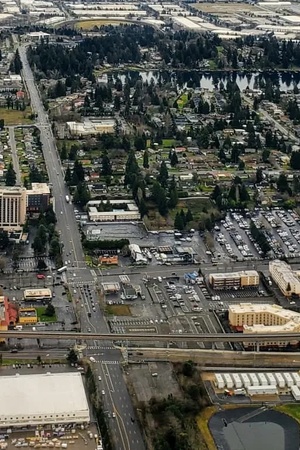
x=42 y=399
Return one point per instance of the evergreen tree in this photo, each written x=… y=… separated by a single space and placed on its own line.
x=178 y=222
x=106 y=166
x=163 y=174
x=189 y=216
x=10 y=176
x=146 y=159
x=295 y=160
x=174 y=159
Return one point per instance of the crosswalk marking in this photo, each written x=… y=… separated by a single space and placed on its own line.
x=108 y=362
x=98 y=347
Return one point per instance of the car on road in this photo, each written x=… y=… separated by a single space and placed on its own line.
x=99 y=378
x=92 y=359
x=40 y=276
x=103 y=392
x=114 y=414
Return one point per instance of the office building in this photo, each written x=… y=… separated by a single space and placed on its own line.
x=12 y=207
x=286 y=279
x=262 y=318
x=38 y=197
x=234 y=280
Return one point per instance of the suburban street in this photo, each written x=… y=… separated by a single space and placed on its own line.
x=124 y=428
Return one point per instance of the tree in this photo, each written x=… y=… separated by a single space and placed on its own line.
x=143 y=208
x=189 y=216
x=39 y=360
x=10 y=176
x=106 y=166
x=178 y=222
x=163 y=174
x=259 y=175
x=174 y=159
x=265 y=155
x=282 y=183
x=50 y=310
x=72 y=357
x=146 y=159
x=41 y=265
x=295 y=160
x=78 y=173
x=188 y=368
x=38 y=245
x=140 y=143
x=2 y=264
x=81 y=195
x=4 y=239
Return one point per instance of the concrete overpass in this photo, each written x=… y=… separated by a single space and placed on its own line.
x=139 y=337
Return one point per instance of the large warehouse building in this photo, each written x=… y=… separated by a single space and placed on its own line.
x=43 y=399
x=231 y=280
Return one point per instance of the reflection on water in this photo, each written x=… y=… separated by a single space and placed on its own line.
x=254 y=436
x=286 y=81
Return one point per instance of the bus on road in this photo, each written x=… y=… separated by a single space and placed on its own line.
x=62 y=269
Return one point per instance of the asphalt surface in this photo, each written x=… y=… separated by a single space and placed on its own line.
x=124 y=428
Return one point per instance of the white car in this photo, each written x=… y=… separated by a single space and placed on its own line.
x=114 y=414
x=92 y=359
x=99 y=378
x=103 y=392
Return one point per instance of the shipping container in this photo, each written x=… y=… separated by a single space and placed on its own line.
x=288 y=379
x=227 y=380
x=296 y=393
x=245 y=379
x=262 y=390
x=262 y=379
x=271 y=379
x=219 y=382
x=296 y=378
x=253 y=379
x=237 y=380
x=280 y=380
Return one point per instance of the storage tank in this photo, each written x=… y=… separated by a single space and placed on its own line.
x=271 y=379
x=245 y=379
x=219 y=382
x=288 y=379
x=295 y=393
x=280 y=380
x=237 y=380
x=227 y=380
x=262 y=379
x=253 y=379
x=296 y=378
x=262 y=390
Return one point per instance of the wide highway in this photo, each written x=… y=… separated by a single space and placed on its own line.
x=124 y=428
x=135 y=337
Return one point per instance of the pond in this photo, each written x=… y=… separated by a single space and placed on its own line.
x=254 y=429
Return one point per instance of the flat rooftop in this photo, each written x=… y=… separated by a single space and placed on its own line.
x=40 y=398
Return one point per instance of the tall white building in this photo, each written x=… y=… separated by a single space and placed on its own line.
x=12 y=207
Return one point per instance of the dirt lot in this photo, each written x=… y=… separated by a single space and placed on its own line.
x=78 y=440
x=224 y=8
x=147 y=386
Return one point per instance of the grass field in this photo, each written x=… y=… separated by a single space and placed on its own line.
x=42 y=317
x=14 y=117
x=202 y=422
x=292 y=410
x=182 y=101
x=90 y=24
x=118 y=310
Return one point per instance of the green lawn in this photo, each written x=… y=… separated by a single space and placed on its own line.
x=182 y=101
x=42 y=317
x=292 y=410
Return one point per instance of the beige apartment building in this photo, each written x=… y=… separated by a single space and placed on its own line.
x=286 y=279
x=12 y=207
x=260 y=318
x=234 y=280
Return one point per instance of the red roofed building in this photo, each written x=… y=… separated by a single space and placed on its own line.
x=20 y=95
x=8 y=314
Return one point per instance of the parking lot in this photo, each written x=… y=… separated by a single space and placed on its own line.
x=281 y=228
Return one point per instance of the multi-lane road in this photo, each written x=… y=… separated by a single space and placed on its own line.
x=124 y=428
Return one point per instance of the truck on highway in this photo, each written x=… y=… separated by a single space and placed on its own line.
x=62 y=269
x=67 y=198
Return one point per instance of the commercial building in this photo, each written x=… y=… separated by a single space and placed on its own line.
x=8 y=315
x=234 y=280
x=260 y=318
x=12 y=207
x=121 y=210
x=286 y=279
x=27 y=316
x=43 y=399
x=37 y=294
x=137 y=254
x=110 y=288
x=91 y=127
x=38 y=197
x=109 y=260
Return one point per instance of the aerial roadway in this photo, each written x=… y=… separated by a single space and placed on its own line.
x=134 y=337
x=124 y=428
